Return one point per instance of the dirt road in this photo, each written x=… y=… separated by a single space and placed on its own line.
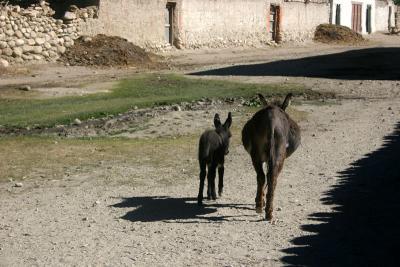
x=81 y=220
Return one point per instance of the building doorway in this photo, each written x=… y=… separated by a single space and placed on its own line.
x=274 y=22
x=356 y=18
x=169 y=23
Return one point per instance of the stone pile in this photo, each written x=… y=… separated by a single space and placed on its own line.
x=32 y=34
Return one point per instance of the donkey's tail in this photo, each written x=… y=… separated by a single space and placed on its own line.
x=271 y=150
x=204 y=148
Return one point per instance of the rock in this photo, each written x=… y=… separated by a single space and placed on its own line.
x=19 y=34
x=17 y=52
x=61 y=49
x=9 y=32
x=37 y=57
x=47 y=45
x=2 y=18
x=19 y=42
x=40 y=41
x=25 y=88
x=18 y=185
x=3 y=45
x=69 y=44
x=37 y=49
x=27 y=48
x=177 y=108
x=3 y=63
x=77 y=121
x=69 y=16
x=31 y=42
x=8 y=51
x=86 y=39
x=11 y=43
x=27 y=57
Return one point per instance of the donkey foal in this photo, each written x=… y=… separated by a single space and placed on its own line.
x=213 y=146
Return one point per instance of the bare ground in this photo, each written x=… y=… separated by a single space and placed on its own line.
x=82 y=220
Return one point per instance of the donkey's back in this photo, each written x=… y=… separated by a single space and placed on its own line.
x=209 y=145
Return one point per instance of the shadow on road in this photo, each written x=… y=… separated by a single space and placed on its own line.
x=362 y=64
x=186 y=210
x=364 y=228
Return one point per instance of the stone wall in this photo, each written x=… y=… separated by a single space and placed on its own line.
x=299 y=19
x=32 y=34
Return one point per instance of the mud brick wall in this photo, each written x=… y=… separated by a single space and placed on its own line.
x=299 y=19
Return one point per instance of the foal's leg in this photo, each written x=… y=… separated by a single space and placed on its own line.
x=258 y=166
x=203 y=173
x=220 y=179
x=212 y=169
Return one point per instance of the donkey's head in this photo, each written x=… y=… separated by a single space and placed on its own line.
x=223 y=130
x=283 y=106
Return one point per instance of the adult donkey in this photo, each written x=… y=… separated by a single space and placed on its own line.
x=213 y=146
x=270 y=136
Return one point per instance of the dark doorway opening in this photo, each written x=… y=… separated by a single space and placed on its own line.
x=368 y=19
x=337 y=15
x=169 y=23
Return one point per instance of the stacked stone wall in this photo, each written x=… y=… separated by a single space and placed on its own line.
x=33 y=35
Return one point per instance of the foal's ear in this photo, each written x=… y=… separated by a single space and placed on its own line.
x=228 y=121
x=262 y=99
x=217 y=121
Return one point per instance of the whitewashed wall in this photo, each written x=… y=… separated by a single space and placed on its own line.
x=346 y=9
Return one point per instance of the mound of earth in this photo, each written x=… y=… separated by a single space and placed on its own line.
x=329 y=33
x=103 y=50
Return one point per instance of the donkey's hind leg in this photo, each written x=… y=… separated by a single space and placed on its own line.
x=203 y=173
x=220 y=179
x=212 y=171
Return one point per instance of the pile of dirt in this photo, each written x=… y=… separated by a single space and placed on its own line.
x=329 y=33
x=103 y=50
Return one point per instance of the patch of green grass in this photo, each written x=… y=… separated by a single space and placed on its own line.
x=142 y=91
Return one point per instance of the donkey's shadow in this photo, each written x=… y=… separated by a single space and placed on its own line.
x=168 y=209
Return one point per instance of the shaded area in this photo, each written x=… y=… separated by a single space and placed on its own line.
x=368 y=64
x=162 y=208
x=364 y=228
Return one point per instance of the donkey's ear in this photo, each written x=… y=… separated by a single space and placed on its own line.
x=228 y=121
x=217 y=121
x=262 y=99
x=287 y=101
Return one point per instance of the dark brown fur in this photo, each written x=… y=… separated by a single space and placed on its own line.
x=213 y=146
x=270 y=136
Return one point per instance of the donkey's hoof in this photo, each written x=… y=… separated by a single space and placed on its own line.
x=269 y=217
x=259 y=210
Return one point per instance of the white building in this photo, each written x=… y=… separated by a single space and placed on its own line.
x=363 y=16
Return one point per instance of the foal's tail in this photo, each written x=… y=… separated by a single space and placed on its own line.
x=204 y=149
